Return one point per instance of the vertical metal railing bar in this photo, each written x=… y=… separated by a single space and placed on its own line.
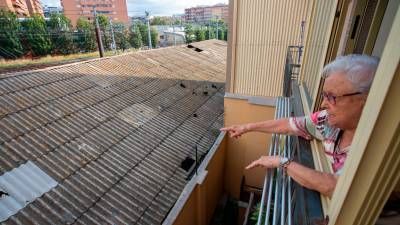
x=278 y=180
x=284 y=177
x=289 y=194
x=269 y=174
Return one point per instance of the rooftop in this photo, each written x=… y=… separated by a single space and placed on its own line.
x=110 y=133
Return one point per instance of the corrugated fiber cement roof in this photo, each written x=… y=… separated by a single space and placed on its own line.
x=112 y=132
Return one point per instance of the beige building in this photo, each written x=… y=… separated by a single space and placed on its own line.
x=114 y=9
x=259 y=58
x=22 y=8
x=203 y=14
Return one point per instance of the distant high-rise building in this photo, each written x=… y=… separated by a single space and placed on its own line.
x=22 y=8
x=203 y=14
x=48 y=10
x=114 y=9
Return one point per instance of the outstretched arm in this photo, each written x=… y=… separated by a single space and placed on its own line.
x=280 y=126
x=319 y=181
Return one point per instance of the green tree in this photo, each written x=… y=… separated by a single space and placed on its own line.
x=10 y=45
x=121 y=36
x=221 y=34
x=37 y=37
x=61 y=34
x=144 y=33
x=154 y=37
x=226 y=34
x=135 y=37
x=158 y=21
x=86 y=39
x=200 y=35
x=177 y=22
x=189 y=33
x=104 y=25
x=210 y=34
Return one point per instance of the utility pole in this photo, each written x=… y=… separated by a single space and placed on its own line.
x=217 y=27
x=98 y=35
x=173 y=29
x=148 y=28
x=113 y=45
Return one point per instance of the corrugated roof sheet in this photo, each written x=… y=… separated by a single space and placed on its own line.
x=112 y=132
x=21 y=186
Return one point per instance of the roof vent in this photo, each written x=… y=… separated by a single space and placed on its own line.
x=187 y=164
x=190 y=46
x=198 y=50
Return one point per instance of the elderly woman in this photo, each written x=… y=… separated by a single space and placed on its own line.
x=347 y=82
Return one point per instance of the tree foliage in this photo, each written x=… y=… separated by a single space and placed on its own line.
x=37 y=37
x=104 y=25
x=189 y=34
x=200 y=34
x=10 y=45
x=61 y=34
x=86 y=39
x=135 y=37
x=210 y=34
x=221 y=34
x=121 y=36
x=145 y=37
x=154 y=37
x=158 y=21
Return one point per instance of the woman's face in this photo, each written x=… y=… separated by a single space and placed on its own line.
x=345 y=111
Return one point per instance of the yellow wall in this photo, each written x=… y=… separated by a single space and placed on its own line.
x=240 y=152
x=260 y=32
x=315 y=49
x=199 y=208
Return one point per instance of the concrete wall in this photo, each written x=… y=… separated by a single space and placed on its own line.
x=203 y=199
x=260 y=32
x=242 y=151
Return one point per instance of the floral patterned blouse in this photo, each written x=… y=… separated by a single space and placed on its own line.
x=316 y=126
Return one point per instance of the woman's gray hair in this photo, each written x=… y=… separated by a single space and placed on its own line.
x=358 y=69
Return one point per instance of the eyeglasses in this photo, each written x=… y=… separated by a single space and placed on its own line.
x=332 y=98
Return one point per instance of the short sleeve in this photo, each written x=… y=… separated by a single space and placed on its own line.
x=309 y=126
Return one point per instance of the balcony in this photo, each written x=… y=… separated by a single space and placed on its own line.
x=254 y=192
x=265 y=61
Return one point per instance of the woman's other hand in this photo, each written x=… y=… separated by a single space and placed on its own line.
x=266 y=162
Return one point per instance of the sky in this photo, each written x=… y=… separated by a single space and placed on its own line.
x=156 y=7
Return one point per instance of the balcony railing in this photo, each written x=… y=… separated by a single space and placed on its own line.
x=283 y=201
x=292 y=68
x=276 y=201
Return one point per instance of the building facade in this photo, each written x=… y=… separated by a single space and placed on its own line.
x=203 y=14
x=114 y=9
x=48 y=10
x=22 y=8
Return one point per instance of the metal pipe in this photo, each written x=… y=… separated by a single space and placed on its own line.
x=289 y=219
x=285 y=149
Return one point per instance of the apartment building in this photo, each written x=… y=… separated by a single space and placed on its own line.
x=114 y=9
x=261 y=59
x=203 y=14
x=48 y=10
x=22 y=8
